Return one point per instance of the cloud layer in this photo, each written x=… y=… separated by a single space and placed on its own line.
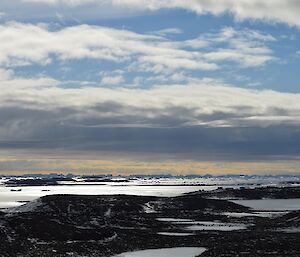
x=193 y=120
x=27 y=44
x=270 y=11
x=92 y=89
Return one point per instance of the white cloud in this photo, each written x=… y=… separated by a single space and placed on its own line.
x=164 y=32
x=247 y=47
x=25 y=44
x=112 y=80
x=286 y=11
x=95 y=118
x=9 y=81
x=205 y=102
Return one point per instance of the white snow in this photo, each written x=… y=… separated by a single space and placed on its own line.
x=271 y=214
x=240 y=214
x=254 y=214
x=148 y=208
x=4 y=205
x=290 y=230
x=9 y=198
x=166 y=252
x=28 y=207
x=174 y=234
x=165 y=187
x=216 y=226
x=204 y=225
x=107 y=213
x=173 y=220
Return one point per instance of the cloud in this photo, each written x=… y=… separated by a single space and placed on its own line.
x=10 y=81
x=164 y=32
x=66 y=2
x=246 y=47
x=202 y=102
x=27 y=44
x=112 y=80
x=194 y=120
x=264 y=10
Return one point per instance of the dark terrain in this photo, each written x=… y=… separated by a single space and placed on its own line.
x=270 y=192
x=68 y=225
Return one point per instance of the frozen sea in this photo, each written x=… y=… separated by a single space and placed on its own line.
x=165 y=187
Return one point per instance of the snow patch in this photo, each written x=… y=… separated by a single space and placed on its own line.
x=217 y=226
x=271 y=204
x=166 y=252
x=148 y=208
x=174 y=234
x=28 y=207
x=107 y=214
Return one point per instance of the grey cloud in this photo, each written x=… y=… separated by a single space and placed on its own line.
x=195 y=143
x=63 y=129
x=204 y=119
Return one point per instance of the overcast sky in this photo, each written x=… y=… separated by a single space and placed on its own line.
x=155 y=81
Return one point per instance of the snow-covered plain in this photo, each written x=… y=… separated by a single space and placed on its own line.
x=166 y=252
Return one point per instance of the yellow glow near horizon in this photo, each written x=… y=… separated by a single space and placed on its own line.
x=13 y=165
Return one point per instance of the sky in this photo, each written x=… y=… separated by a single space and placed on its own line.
x=154 y=86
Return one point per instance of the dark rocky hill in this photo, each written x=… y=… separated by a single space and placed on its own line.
x=252 y=193
x=69 y=225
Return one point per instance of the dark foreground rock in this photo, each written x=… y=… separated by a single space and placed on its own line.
x=68 y=225
x=270 y=192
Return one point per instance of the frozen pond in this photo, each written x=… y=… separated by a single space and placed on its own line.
x=166 y=252
x=271 y=204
